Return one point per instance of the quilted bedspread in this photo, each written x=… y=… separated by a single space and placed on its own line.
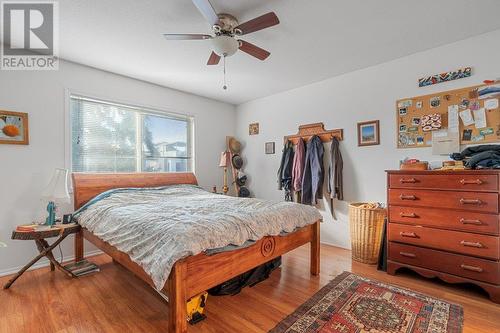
x=158 y=226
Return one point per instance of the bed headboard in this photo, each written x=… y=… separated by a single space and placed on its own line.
x=88 y=185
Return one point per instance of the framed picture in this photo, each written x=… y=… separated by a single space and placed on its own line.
x=14 y=128
x=253 y=129
x=269 y=147
x=368 y=133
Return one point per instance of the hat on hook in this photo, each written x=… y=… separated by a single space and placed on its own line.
x=234 y=145
x=241 y=178
x=237 y=161
x=244 y=192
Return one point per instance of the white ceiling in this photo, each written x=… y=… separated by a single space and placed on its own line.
x=316 y=39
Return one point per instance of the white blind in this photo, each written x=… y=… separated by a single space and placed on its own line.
x=109 y=137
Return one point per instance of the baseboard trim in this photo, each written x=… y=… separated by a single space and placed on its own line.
x=335 y=245
x=45 y=263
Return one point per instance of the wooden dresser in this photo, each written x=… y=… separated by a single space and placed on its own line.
x=445 y=224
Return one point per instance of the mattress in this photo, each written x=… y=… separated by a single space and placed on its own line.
x=158 y=226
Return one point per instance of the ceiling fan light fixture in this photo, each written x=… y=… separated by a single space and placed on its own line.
x=225 y=46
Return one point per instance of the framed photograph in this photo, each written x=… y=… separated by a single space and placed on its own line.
x=253 y=129
x=269 y=147
x=14 y=128
x=368 y=133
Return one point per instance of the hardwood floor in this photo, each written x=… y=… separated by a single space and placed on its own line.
x=116 y=301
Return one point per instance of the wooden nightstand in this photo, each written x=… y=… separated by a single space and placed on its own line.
x=61 y=231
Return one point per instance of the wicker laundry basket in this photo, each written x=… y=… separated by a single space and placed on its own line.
x=366 y=232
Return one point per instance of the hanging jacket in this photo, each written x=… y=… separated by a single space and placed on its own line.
x=298 y=165
x=314 y=171
x=285 y=171
x=336 y=164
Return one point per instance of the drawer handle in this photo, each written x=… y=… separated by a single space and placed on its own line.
x=472 y=244
x=472 y=268
x=407 y=180
x=470 y=201
x=408 y=234
x=408 y=254
x=407 y=197
x=471 y=182
x=475 y=222
x=411 y=215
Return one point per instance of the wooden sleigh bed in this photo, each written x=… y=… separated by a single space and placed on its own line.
x=195 y=274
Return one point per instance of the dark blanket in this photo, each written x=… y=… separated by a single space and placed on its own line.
x=480 y=157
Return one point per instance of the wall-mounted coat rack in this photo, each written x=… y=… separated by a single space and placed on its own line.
x=318 y=129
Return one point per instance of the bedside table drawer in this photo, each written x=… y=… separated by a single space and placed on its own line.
x=445 y=182
x=447 y=219
x=454 y=241
x=473 y=201
x=473 y=268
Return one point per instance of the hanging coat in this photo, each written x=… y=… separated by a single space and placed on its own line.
x=298 y=165
x=336 y=164
x=314 y=171
x=285 y=171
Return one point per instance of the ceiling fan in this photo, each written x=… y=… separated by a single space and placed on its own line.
x=226 y=32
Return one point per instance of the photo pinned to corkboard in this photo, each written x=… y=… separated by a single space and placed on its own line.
x=14 y=128
x=472 y=112
x=253 y=129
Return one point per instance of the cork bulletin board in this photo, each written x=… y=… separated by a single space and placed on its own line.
x=418 y=117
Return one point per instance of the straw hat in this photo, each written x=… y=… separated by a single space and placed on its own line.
x=234 y=145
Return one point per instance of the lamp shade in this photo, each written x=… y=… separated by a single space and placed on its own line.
x=224 y=159
x=225 y=46
x=57 y=189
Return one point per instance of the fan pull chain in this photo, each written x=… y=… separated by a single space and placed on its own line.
x=225 y=86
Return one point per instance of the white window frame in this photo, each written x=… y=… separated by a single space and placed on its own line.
x=68 y=135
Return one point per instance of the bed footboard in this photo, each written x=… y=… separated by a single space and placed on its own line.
x=196 y=274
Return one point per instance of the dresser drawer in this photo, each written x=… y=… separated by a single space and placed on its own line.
x=473 y=201
x=469 y=267
x=460 y=182
x=447 y=219
x=447 y=240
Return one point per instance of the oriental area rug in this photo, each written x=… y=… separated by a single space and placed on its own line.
x=354 y=304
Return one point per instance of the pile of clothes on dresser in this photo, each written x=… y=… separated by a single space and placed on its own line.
x=479 y=157
x=302 y=172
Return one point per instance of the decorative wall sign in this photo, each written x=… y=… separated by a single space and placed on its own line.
x=269 y=147
x=14 y=128
x=253 y=129
x=369 y=133
x=444 y=77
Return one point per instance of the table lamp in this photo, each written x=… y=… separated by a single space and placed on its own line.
x=56 y=191
x=224 y=162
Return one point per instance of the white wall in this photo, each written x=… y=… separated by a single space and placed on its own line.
x=341 y=102
x=26 y=170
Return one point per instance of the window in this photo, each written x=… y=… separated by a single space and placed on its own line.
x=109 y=137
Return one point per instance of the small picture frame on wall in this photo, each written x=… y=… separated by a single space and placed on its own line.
x=14 y=128
x=269 y=147
x=253 y=129
x=368 y=133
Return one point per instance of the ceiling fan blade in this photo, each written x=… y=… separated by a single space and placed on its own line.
x=186 y=36
x=259 y=23
x=214 y=59
x=253 y=50
x=206 y=9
